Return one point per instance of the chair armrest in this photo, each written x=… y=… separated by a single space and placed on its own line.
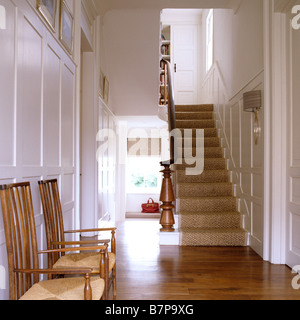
x=56 y=271
x=70 y=243
x=74 y=249
x=113 y=231
x=91 y=230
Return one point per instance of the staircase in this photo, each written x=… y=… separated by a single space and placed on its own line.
x=207 y=207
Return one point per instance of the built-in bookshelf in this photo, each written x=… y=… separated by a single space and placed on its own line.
x=165 y=53
x=166 y=42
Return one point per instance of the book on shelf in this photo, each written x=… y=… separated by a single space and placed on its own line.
x=165 y=50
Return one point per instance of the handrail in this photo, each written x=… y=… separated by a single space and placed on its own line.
x=169 y=97
x=167 y=194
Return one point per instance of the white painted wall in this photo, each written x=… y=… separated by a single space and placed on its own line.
x=38 y=114
x=131 y=53
x=98 y=131
x=238 y=43
x=238 y=68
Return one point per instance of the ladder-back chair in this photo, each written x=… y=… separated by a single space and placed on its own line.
x=22 y=253
x=56 y=238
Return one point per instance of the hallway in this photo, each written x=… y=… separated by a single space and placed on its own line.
x=146 y=271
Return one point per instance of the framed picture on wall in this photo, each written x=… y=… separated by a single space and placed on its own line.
x=47 y=9
x=106 y=90
x=66 y=27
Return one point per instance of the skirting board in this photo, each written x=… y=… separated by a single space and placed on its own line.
x=170 y=238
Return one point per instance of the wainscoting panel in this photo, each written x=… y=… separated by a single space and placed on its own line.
x=52 y=107
x=37 y=123
x=245 y=158
x=7 y=105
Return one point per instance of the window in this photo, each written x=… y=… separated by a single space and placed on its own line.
x=209 y=39
x=143 y=175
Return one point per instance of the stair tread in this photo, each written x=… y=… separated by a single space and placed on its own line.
x=208 y=198
x=214 y=230
x=216 y=170
x=194 y=112
x=204 y=183
x=193 y=108
x=193 y=213
x=195 y=124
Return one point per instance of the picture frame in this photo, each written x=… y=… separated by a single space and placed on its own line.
x=66 y=27
x=102 y=77
x=48 y=9
x=106 y=90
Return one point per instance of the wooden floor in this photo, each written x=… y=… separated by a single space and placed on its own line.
x=147 y=271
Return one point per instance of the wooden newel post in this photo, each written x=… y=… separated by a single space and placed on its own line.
x=167 y=197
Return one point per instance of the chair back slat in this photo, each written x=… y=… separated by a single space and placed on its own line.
x=20 y=233
x=53 y=217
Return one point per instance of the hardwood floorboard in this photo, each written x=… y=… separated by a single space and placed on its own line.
x=148 y=271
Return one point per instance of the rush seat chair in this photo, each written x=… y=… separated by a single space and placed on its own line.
x=55 y=234
x=23 y=256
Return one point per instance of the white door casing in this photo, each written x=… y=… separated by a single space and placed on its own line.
x=293 y=146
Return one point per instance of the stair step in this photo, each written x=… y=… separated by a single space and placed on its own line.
x=207 y=176
x=194 y=115
x=208 y=237
x=208 y=132
x=207 y=204
x=194 y=108
x=195 y=124
x=204 y=189
x=210 y=219
x=209 y=164
x=191 y=142
x=209 y=152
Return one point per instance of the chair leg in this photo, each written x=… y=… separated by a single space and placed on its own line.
x=115 y=282
x=87 y=288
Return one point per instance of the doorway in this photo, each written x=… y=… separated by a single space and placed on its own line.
x=180 y=33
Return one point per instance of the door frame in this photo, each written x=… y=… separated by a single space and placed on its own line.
x=276 y=96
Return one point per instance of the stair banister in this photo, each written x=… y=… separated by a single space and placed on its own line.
x=167 y=194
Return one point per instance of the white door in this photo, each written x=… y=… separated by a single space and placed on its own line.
x=184 y=60
x=293 y=155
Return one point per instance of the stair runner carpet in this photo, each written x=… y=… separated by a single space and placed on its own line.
x=207 y=207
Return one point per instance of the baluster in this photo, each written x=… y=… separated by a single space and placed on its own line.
x=167 y=197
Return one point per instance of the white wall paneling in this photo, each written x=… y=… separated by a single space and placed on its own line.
x=37 y=123
x=106 y=163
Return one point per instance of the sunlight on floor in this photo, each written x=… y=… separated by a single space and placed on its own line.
x=142 y=239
